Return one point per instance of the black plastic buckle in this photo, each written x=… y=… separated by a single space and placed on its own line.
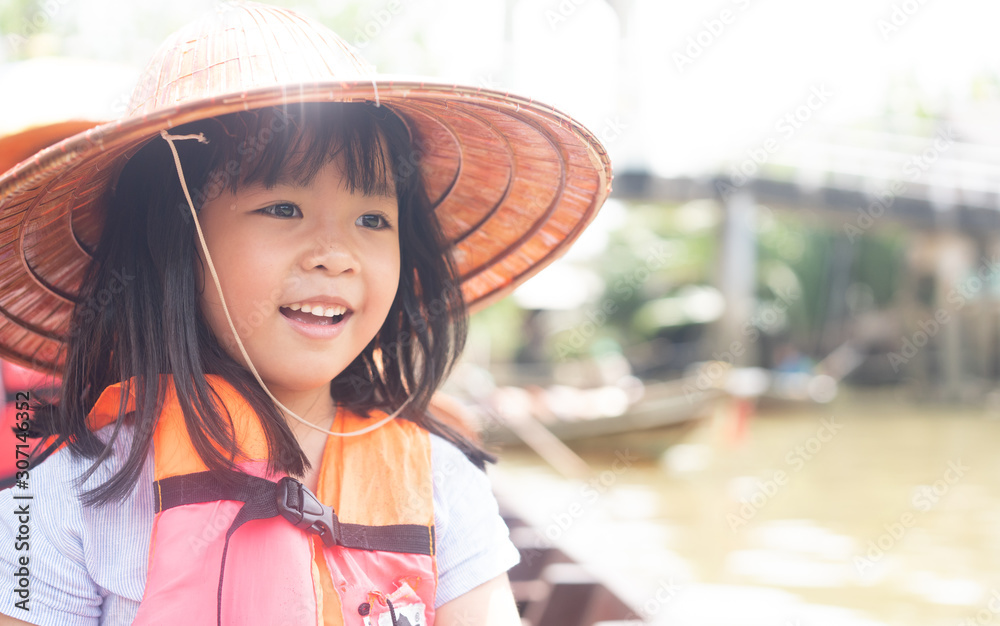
x=303 y=509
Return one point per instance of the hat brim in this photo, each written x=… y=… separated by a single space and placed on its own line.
x=513 y=183
x=21 y=145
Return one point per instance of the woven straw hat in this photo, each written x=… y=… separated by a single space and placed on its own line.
x=513 y=181
x=18 y=146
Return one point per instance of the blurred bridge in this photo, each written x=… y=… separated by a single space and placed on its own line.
x=943 y=190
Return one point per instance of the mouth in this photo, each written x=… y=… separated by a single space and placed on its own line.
x=316 y=314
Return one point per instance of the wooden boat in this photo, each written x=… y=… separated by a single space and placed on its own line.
x=663 y=405
x=551 y=589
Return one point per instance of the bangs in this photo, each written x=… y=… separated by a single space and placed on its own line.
x=290 y=145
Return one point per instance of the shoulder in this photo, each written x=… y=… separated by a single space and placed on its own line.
x=459 y=485
x=57 y=478
x=57 y=487
x=84 y=561
x=65 y=467
x=448 y=459
x=473 y=543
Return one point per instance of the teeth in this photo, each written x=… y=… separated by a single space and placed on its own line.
x=318 y=309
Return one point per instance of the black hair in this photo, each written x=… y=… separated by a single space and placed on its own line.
x=154 y=327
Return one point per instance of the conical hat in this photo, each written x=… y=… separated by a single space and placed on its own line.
x=513 y=181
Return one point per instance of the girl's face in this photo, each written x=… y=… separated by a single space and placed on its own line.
x=309 y=272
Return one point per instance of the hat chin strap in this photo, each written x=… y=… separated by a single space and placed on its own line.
x=232 y=327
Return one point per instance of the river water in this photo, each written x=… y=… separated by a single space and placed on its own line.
x=871 y=510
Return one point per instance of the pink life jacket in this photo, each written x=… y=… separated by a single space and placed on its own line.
x=265 y=551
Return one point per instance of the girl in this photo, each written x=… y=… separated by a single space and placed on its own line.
x=280 y=251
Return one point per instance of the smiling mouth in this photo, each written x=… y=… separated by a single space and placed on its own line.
x=317 y=316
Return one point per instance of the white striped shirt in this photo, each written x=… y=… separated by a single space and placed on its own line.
x=88 y=564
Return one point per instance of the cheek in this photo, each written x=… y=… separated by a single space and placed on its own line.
x=205 y=290
x=390 y=276
x=209 y=302
x=214 y=318
x=382 y=265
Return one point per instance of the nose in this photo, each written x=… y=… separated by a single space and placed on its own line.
x=330 y=253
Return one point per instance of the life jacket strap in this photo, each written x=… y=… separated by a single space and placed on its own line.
x=289 y=498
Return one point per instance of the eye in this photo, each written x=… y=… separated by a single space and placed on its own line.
x=376 y=221
x=283 y=210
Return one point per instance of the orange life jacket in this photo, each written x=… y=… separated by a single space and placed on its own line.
x=233 y=556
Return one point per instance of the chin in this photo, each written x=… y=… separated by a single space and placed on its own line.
x=299 y=374
x=299 y=383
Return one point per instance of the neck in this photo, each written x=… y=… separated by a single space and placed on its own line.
x=315 y=406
